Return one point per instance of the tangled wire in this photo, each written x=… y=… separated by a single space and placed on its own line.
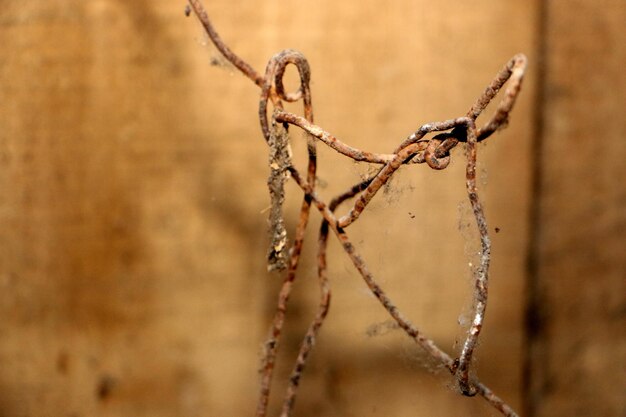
x=415 y=149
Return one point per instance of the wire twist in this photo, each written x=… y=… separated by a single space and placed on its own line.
x=417 y=148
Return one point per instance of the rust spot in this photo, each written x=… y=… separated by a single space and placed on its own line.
x=455 y=365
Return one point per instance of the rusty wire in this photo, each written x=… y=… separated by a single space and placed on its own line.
x=415 y=149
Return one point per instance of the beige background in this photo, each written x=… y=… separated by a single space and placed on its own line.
x=133 y=231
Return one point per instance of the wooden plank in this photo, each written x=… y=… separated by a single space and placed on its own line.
x=576 y=337
x=119 y=295
x=131 y=226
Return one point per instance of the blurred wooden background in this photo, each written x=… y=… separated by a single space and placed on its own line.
x=133 y=232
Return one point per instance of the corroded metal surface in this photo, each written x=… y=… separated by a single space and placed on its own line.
x=416 y=148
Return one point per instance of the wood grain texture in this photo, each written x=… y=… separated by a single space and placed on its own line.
x=577 y=343
x=132 y=232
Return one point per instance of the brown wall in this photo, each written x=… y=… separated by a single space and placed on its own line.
x=577 y=343
x=133 y=230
